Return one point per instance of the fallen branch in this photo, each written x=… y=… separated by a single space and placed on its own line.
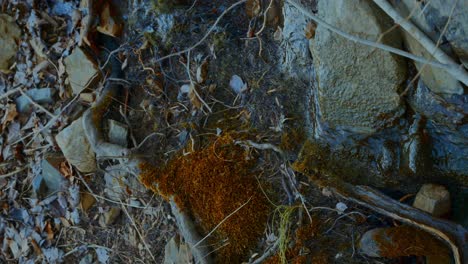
x=453 y=69
x=454 y=235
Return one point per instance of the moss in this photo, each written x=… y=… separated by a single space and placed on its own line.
x=211 y=184
x=293 y=139
x=409 y=241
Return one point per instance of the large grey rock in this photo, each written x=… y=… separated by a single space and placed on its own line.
x=10 y=35
x=81 y=69
x=438 y=80
x=118 y=133
x=76 y=148
x=357 y=85
x=434 y=199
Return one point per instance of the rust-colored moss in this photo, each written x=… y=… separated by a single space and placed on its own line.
x=211 y=184
x=292 y=140
x=409 y=241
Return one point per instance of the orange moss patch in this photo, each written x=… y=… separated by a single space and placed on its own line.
x=211 y=184
x=409 y=241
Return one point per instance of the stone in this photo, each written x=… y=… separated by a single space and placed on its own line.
x=237 y=84
x=438 y=80
x=10 y=35
x=38 y=95
x=119 y=180
x=53 y=179
x=357 y=85
x=177 y=252
x=401 y=241
x=118 y=133
x=434 y=199
x=81 y=69
x=76 y=147
x=294 y=51
x=39 y=187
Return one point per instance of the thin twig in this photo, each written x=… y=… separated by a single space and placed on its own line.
x=12 y=173
x=15 y=89
x=37 y=105
x=220 y=223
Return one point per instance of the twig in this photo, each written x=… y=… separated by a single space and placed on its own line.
x=458 y=72
x=12 y=173
x=267 y=254
x=206 y=35
x=454 y=235
x=455 y=70
x=139 y=233
x=37 y=105
x=15 y=89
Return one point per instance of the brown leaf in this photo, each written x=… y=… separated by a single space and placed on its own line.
x=252 y=8
x=310 y=30
x=193 y=96
x=202 y=72
x=10 y=115
x=49 y=231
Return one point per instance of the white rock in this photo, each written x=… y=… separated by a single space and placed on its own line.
x=237 y=84
x=81 y=69
x=76 y=148
x=434 y=199
x=118 y=133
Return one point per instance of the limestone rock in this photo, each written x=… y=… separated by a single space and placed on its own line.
x=177 y=252
x=434 y=199
x=81 y=69
x=10 y=35
x=76 y=148
x=53 y=179
x=117 y=133
x=357 y=85
x=438 y=80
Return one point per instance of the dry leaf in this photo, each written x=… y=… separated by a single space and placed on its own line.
x=9 y=116
x=310 y=30
x=49 y=231
x=192 y=94
x=252 y=8
x=202 y=72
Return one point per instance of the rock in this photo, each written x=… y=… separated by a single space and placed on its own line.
x=438 y=80
x=177 y=252
x=81 y=69
x=118 y=133
x=40 y=96
x=400 y=241
x=237 y=84
x=76 y=148
x=357 y=85
x=296 y=59
x=53 y=179
x=434 y=199
x=111 y=215
x=118 y=181
x=10 y=35
x=39 y=186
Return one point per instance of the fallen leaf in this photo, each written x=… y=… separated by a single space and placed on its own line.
x=310 y=30
x=202 y=72
x=193 y=96
x=9 y=116
x=49 y=231
x=252 y=8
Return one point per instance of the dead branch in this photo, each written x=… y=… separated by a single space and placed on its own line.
x=454 y=235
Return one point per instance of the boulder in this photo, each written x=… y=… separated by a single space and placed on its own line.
x=76 y=148
x=438 y=80
x=357 y=85
x=434 y=199
x=10 y=35
x=81 y=69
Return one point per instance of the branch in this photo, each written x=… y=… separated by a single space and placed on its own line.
x=453 y=69
x=454 y=235
x=458 y=72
